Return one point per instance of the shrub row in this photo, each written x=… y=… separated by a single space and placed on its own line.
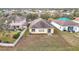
x=16 y=35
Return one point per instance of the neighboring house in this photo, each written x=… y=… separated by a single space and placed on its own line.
x=76 y=20
x=18 y=22
x=66 y=25
x=64 y=18
x=41 y=26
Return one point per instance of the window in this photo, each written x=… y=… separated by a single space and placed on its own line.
x=49 y=30
x=33 y=30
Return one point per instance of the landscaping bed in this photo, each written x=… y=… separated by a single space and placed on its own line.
x=10 y=38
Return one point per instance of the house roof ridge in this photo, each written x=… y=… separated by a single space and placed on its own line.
x=40 y=21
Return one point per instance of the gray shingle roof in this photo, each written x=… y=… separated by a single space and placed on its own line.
x=40 y=23
x=17 y=18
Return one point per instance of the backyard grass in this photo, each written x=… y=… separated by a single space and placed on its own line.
x=7 y=37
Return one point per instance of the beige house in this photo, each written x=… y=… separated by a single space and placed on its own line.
x=41 y=26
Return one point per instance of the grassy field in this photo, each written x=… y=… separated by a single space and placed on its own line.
x=56 y=42
x=71 y=38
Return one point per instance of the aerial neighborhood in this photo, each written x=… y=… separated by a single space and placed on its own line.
x=39 y=29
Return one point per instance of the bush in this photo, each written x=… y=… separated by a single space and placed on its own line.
x=16 y=35
x=6 y=42
x=20 y=29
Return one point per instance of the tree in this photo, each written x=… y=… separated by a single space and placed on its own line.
x=56 y=14
x=1 y=13
x=3 y=25
x=76 y=13
x=46 y=16
x=32 y=16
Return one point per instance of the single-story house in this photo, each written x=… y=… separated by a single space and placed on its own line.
x=76 y=20
x=41 y=26
x=69 y=26
x=18 y=22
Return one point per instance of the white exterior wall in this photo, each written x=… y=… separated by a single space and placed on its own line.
x=41 y=31
x=66 y=28
x=76 y=29
x=76 y=21
x=58 y=26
